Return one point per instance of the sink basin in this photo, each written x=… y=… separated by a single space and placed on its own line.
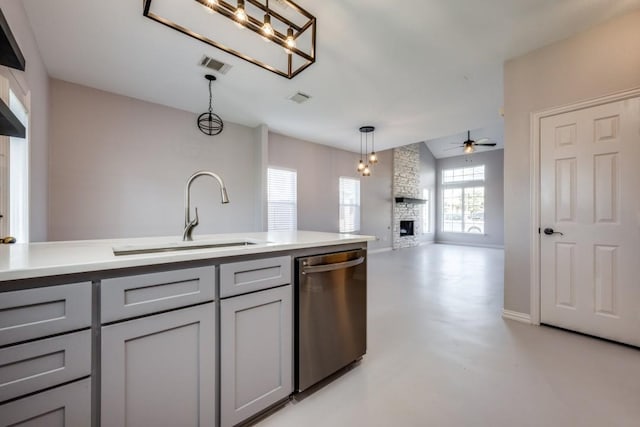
x=180 y=246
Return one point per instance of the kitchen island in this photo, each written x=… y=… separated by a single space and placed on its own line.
x=152 y=331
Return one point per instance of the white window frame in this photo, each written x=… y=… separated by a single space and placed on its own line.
x=463 y=178
x=426 y=211
x=345 y=207
x=15 y=159
x=291 y=203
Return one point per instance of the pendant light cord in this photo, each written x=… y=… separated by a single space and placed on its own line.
x=210 y=98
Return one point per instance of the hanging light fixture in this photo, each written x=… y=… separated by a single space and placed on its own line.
x=267 y=29
x=210 y=123
x=240 y=13
x=287 y=25
x=365 y=169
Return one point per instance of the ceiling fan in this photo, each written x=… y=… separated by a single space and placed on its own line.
x=470 y=145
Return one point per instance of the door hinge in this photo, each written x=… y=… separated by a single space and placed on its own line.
x=538 y=230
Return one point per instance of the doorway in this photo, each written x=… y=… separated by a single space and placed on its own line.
x=588 y=218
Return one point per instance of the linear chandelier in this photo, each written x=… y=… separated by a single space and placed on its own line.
x=372 y=158
x=289 y=29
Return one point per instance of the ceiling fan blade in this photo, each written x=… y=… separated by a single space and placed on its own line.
x=483 y=140
x=487 y=144
x=454 y=148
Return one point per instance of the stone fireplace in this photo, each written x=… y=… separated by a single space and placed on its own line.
x=406 y=183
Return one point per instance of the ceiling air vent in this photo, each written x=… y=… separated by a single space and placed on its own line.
x=214 y=64
x=300 y=97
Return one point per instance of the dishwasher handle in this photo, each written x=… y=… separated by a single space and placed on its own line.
x=331 y=267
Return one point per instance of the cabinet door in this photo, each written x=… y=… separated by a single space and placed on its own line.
x=66 y=406
x=160 y=370
x=255 y=353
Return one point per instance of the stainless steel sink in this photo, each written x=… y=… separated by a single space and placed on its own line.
x=181 y=246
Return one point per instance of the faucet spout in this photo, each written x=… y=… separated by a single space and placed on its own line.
x=190 y=224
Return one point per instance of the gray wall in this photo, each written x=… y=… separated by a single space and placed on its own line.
x=428 y=180
x=36 y=80
x=118 y=167
x=494 y=198
x=600 y=61
x=319 y=168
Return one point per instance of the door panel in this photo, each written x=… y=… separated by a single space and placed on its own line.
x=589 y=192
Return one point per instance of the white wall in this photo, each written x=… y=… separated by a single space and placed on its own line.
x=319 y=169
x=428 y=180
x=597 y=62
x=494 y=198
x=119 y=165
x=35 y=82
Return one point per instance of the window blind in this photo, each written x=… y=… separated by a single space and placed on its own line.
x=349 y=205
x=282 y=198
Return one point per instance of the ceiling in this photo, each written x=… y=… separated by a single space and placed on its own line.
x=417 y=69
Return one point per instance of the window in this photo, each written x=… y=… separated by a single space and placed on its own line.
x=18 y=176
x=282 y=196
x=463 y=200
x=426 y=211
x=349 y=205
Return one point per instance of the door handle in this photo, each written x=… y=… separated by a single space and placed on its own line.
x=330 y=267
x=551 y=231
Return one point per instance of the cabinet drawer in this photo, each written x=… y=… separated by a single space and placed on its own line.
x=249 y=276
x=27 y=368
x=66 y=406
x=132 y=296
x=35 y=313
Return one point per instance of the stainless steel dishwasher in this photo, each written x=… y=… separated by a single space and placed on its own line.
x=331 y=314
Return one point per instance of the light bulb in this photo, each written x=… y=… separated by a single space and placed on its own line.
x=360 y=166
x=240 y=14
x=290 y=41
x=267 y=29
x=468 y=148
x=373 y=158
x=366 y=171
x=212 y=2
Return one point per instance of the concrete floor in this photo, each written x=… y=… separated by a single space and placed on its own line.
x=439 y=354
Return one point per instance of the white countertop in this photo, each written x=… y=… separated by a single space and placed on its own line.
x=29 y=260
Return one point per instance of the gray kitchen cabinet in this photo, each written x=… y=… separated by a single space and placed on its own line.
x=160 y=370
x=37 y=365
x=255 y=353
x=249 y=276
x=133 y=296
x=38 y=312
x=65 y=406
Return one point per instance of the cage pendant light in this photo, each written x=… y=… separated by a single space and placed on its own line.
x=210 y=123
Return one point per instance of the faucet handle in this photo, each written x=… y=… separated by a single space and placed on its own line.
x=196 y=220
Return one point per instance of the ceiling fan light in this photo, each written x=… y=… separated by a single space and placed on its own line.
x=468 y=148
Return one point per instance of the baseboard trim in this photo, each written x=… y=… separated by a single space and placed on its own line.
x=377 y=251
x=478 y=245
x=518 y=317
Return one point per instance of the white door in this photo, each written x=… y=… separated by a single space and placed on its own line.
x=590 y=192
